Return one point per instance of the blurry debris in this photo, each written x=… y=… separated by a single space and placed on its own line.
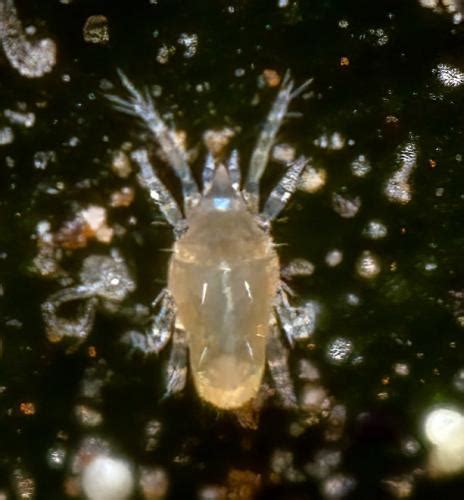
x=121 y=164
x=400 y=486
x=312 y=179
x=457 y=306
x=6 y=136
x=190 y=44
x=31 y=59
x=337 y=486
x=344 y=61
x=398 y=188
x=212 y=492
x=454 y=7
x=283 y=153
x=43 y=158
x=248 y=415
x=339 y=350
x=449 y=76
x=283 y=468
x=164 y=53
x=56 y=457
x=360 y=166
x=46 y=262
x=458 y=380
x=443 y=427
x=122 y=198
x=314 y=400
x=324 y=463
x=297 y=267
x=89 y=223
x=21 y=117
x=152 y=434
x=107 y=478
x=346 y=207
x=87 y=416
x=271 y=78
x=154 y=483
x=216 y=140
x=307 y=371
x=27 y=408
x=23 y=484
x=375 y=230
x=332 y=142
x=242 y=484
x=96 y=30
x=334 y=257
x=336 y=422
x=368 y=265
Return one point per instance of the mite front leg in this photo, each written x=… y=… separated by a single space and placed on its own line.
x=142 y=106
x=158 y=192
x=78 y=329
x=176 y=370
x=277 y=360
x=298 y=323
x=283 y=191
x=160 y=330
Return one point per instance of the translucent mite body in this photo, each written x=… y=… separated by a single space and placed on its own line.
x=224 y=298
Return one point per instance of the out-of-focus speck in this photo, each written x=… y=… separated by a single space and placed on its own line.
x=313 y=398
x=375 y=230
x=123 y=197
x=439 y=192
x=216 y=140
x=43 y=158
x=6 y=136
x=164 y=53
x=410 y=446
x=450 y=76
x=346 y=206
x=270 y=78
x=87 y=416
x=152 y=434
x=190 y=44
x=66 y=78
x=343 y=23
x=120 y=164
x=430 y=266
x=458 y=380
x=23 y=484
x=334 y=141
x=72 y=142
x=334 y=257
x=398 y=188
x=352 y=299
x=339 y=350
x=283 y=468
x=56 y=457
x=360 y=166
x=298 y=267
x=21 y=118
x=337 y=486
x=283 y=3
x=283 y=153
x=154 y=483
x=239 y=72
x=368 y=265
x=107 y=478
x=312 y=179
x=401 y=369
x=400 y=486
x=324 y=462
x=96 y=30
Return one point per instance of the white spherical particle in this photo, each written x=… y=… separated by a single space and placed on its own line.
x=106 y=478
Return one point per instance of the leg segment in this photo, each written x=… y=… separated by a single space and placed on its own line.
x=158 y=192
x=208 y=173
x=233 y=168
x=298 y=323
x=142 y=106
x=176 y=372
x=58 y=327
x=283 y=191
x=159 y=333
x=277 y=360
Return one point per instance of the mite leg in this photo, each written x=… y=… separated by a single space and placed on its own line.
x=31 y=60
x=208 y=172
x=158 y=192
x=260 y=155
x=176 y=372
x=142 y=106
x=277 y=360
x=283 y=191
x=57 y=327
x=298 y=323
x=159 y=332
x=233 y=168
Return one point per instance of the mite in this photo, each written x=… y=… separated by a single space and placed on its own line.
x=225 y=305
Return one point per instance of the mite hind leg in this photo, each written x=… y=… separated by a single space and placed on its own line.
x=277 y=360
x=177 y=366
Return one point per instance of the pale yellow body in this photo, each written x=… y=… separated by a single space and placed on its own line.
x=223 y=276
